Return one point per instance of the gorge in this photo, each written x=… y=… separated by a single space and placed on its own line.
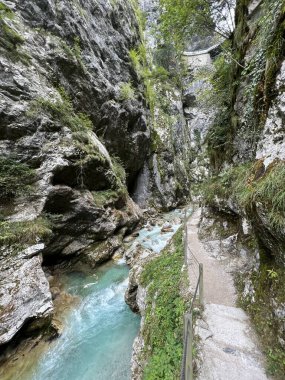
x=109 y=131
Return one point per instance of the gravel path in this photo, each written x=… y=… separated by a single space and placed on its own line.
x=229 y=345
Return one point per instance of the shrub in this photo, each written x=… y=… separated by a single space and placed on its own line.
x=15 y=178
x=126 y=91
x=62 y=111
x=9 y=38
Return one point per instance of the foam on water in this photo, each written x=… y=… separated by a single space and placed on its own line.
x=97 y=338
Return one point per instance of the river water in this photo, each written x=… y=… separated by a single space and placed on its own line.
x=99 y=330
x=98 y=333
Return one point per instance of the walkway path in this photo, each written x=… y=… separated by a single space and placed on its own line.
x=229 y=345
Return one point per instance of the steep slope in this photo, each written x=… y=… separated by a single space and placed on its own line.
x=72 y=139
x=78 y=139
x=245 y=192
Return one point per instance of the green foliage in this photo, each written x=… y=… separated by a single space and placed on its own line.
x=229 y=183
x=248 y=184
x=119 y=170
x=10 y=39
x=140 y=16
x=63 y=112
x=22 y=234
x=109 y=198
x=268 y=283
x=182 y=19
x=6 y=12
x=146 y=72
x=127 y=91
x=223 y=86
x=177 y=21
x=257 y=76
x=15 y=178
x=163 y=330
x=74 y=52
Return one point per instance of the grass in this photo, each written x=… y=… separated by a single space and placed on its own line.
x=15 y=178
x=248 y=184
x=127 y=91
x=108 y=198
x=23 y=234
x=74 y=52
x=10 y=39
x=63 y=111
x=163 y=329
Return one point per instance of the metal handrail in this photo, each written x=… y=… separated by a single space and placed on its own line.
x=187 y=360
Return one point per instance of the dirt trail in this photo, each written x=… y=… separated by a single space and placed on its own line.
x=229 y=345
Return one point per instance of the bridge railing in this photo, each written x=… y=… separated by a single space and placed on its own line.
x=196 y=272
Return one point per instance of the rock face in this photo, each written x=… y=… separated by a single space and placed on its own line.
x=76 y=138
x=67 y=118
x=271 y=145
x=164 y=179
x=246 y=146
x=25 y=295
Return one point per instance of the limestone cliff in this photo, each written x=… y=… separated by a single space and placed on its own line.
x=245 y=142
x=72 y=140
x=75 y=137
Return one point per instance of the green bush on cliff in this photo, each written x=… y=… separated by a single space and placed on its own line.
x=165 y=309
x=127 y=91
x=74 y=52
x=250 y=183
x=10 y=39
x=62 y=111
x=15 y=178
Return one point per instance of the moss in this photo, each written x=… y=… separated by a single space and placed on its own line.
x=165 y=309
x=15 y=178
x=156 y=143
x=22 y=234
x=109 y=198
x=119 y=169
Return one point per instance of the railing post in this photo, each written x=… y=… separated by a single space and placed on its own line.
x=189 y=344
x=185 y=237
x=201 y=285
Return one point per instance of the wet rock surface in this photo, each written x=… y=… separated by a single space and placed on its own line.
x=25 y=295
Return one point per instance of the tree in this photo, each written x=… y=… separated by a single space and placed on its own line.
x=182 y=19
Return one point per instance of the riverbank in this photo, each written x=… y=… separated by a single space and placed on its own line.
x=159 y=291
